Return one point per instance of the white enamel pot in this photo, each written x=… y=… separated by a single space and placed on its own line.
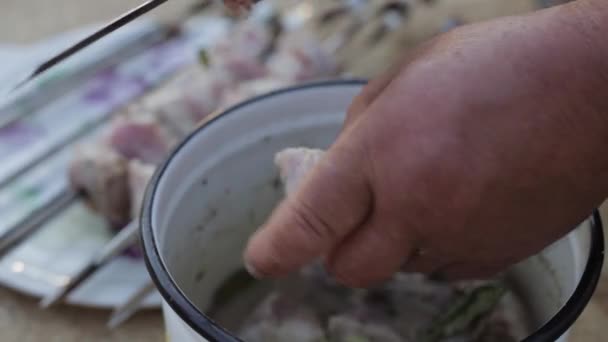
x=220 y=183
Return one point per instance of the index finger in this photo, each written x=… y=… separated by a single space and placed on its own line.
x=331 y=202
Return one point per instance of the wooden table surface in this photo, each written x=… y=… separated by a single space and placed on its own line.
x=26 y=21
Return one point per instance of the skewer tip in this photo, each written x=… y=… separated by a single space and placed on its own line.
x=20 y=84
x=49 y=301
x=117 y=319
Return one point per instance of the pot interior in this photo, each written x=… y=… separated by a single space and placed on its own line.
x=222 y=184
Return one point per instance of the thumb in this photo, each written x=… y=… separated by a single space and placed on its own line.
x=331 y=201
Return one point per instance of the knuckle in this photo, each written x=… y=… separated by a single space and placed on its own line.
x=311 y=223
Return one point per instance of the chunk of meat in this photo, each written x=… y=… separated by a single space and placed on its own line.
x=244 y=68
x=280 y=319
x=241 y=56
x=294 y=164
x=238 y=5
x=347 y=328
x=139 y=176
x=139 y=137
x=505 y=324
x=188 y=99
x=300 y=57
x=417 y=301
x=171 y=110
x=101 y=175
x=418 y=285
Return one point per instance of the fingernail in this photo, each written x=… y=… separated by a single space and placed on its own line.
x=252 y=271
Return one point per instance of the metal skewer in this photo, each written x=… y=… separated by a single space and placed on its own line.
x=122 y=313
x=121 y=241
x=10 y=113
x=85 y=135
x=17 y=234
x=104 y=31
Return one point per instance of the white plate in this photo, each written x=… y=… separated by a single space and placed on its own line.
x=64 y=244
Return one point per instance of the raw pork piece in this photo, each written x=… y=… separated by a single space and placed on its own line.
x=505 y=323
x=281 y=319
x=416 y=301
x=241 y=55
x=300 y=57
x=238 y=5
x=347 y=328
x=139 y=176
x=294 y=164
x=139 y=137
x=188 y=99
x=250 y=89
x=101 y=175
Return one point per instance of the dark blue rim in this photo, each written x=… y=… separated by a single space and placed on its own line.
x=575 y=305
x=213 y=332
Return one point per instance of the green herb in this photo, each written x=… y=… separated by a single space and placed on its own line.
x=203 y=58
x=276 y=28
x=464 y=312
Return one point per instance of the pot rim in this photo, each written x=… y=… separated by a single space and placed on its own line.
x=213 y=332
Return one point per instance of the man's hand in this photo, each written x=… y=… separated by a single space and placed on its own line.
x=486 y=145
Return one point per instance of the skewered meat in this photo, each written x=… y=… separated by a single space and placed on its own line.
x=238 y=5
x=140 y=138
x=301 y=57
x=237 y=70
x=193 y=95
x=139 y=176
x=101 y=175
x=241 y=56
